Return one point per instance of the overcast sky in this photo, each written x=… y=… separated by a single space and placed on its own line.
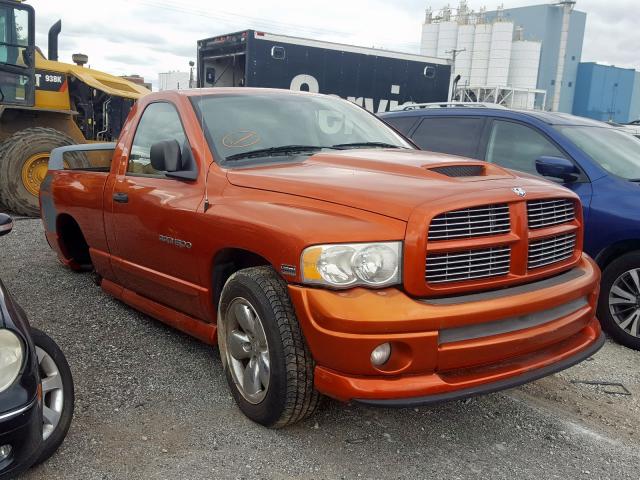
x=151 y=36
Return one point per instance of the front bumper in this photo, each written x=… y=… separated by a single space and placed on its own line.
x=448 y=348
x=494 y=386
x=22 y=429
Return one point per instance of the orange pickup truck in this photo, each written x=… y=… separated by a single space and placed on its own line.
x=325 y=254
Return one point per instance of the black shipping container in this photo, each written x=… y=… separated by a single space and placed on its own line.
x=379 y=80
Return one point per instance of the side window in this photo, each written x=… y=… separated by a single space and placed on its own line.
x=3 y=36
x=159 y=122
x=456 y=136
x=402 y=124
x=517 y=146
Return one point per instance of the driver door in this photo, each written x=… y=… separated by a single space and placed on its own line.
x=154 y=221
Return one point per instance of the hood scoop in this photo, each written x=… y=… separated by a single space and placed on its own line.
x=459 y=170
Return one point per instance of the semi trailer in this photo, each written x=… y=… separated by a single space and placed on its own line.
x=378 y=80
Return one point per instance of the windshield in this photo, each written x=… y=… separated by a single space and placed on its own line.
x=273 y=124
x=616 y=151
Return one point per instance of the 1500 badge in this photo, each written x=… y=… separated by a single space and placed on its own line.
x=175 y=242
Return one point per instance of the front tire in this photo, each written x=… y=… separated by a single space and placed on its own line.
x=266 y=361
x=619 y=304
x=57 y=393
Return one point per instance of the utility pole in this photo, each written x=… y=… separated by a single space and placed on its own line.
x=191 y=64
x=454 y=53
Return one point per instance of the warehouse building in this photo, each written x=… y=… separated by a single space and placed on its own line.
x=138 y=80
x=173 y=80
x=607 y=93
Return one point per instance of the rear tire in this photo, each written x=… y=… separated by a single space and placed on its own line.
x=619 y=304
x=23 y=167
x=282 y=392
x=57 y=391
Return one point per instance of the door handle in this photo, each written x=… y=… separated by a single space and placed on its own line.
x=120 y=197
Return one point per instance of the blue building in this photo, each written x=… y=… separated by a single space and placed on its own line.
x=634 y=110
x=607 y=93
x=544 y=23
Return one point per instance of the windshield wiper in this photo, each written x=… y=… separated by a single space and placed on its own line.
x=273 y=151
x=366 y=144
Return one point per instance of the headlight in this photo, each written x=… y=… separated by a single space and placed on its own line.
x=10 y=358
x=353 y=264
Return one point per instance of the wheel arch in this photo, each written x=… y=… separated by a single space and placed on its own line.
x=72 y=242
x=616 y=250
x=15 y=119
x=228 y=261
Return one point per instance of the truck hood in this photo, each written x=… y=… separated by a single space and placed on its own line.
x=389 y=182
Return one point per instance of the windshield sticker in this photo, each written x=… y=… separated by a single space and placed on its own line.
x=241 y=139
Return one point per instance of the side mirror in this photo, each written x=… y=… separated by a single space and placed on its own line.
x=557 y=167
x=166 y=156
x=6 y=224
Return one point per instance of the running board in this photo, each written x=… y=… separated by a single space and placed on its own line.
x=205 y=332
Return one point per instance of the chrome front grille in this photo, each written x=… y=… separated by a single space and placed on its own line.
x=468 y=264
x=544 y=213
x=471 y=222
x=551 y=250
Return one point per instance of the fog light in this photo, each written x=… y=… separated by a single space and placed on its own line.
x=380 y=354
x=5 y=452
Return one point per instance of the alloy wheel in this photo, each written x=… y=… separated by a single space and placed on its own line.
x=52 y=392
x=624 y=302
x=247 y=350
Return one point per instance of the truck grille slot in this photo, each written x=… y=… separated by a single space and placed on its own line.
x=468 y=264
x=551 y=250
x=471 y=222
x=543 y=213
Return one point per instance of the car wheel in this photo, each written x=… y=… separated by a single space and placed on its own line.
x=57 y=393
x=619 y=305
x=266 y=361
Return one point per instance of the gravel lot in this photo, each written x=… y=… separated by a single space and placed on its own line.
x=152 y=403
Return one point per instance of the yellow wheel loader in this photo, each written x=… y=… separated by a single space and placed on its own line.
x=46 y=104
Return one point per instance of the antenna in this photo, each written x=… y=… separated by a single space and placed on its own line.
x=204 y=141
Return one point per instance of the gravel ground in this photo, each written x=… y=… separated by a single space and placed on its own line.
x=152 y=403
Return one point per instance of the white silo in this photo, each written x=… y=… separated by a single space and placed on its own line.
x=466 y=34
x=429 y=39
x=447 y=39
x=500 y=54
x=480 y=56
x=523 y=71
x=525 y=60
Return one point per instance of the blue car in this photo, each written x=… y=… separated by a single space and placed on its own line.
x=598 y=162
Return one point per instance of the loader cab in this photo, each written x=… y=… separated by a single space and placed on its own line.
x=17 y=47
